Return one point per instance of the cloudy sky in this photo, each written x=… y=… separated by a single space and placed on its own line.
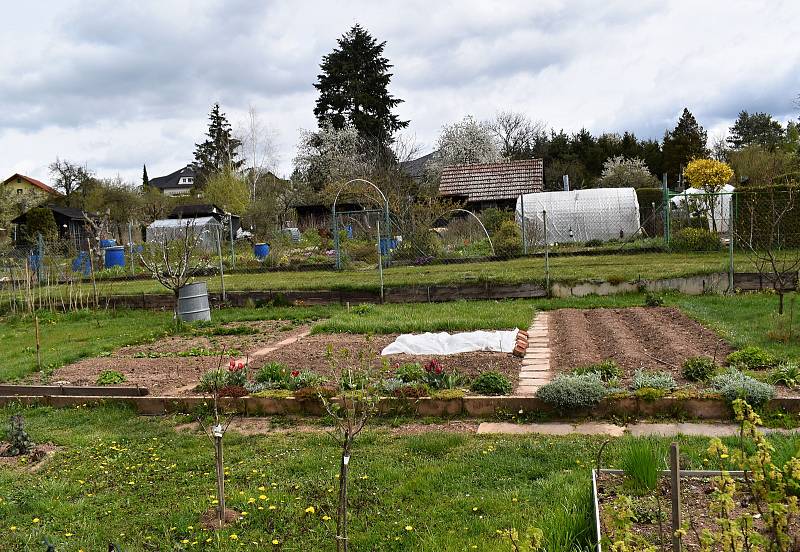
x=120 y=83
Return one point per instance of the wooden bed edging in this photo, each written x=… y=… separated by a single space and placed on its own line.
x=73 y=390
x=474 y=407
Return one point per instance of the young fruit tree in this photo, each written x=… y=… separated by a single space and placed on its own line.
x=357 y=401
x=173 y=258
x=767 y=231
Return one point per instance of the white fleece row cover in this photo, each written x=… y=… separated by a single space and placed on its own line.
x=443 y=343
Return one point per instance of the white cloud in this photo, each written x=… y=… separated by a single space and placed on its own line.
x=119 y=84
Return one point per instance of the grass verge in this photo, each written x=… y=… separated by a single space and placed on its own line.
x=137 y=482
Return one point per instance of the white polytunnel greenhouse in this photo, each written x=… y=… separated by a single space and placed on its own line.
x=172 y=229
x=580 y=215
x=715 y=208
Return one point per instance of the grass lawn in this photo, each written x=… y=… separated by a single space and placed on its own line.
x=564 y=269
x=137 y=482
x=431 y=317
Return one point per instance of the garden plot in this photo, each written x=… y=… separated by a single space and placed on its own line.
x=647 y=338
x=174 y=365
x=311 y=354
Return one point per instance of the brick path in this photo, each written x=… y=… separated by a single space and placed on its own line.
x=535 y=370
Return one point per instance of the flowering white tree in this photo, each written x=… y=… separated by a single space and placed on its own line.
x=464 y=142
x=331 y=155
x=623 y=172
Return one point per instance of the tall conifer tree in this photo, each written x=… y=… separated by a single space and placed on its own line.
x=353 y=89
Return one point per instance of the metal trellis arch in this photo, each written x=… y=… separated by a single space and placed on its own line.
x=387 y=223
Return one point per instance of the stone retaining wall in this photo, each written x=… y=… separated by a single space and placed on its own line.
x=475 y=407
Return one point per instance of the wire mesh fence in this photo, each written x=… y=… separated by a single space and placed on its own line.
x=749 y=230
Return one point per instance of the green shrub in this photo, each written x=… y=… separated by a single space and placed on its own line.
x=593 y=243
x=272 y=372
x=365 y=251
x=787 y=374
x=362 y=309
x=507 y=240
x=653 y=300
x=653 y=380
x=306 y=378
x=752 y=358
x=492 y=218
x=435 y=376
x=491 y=383
x=567 y=392
x=608 y=369
x=698 y=368
x=695 y=239
x=734 y=385
x=649 y=393
x=642 y=466
x=410 y=372
x=236 y=376
x=111 y=377
x=213 y=379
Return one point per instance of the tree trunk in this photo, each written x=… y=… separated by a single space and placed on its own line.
x=220 y=480
x=341 y=516
x=780 y=301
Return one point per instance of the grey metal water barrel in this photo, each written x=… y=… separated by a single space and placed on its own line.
x=193 y=302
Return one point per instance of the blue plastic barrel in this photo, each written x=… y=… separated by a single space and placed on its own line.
x=82 y=264
x=261 y=250
x=115 y=256
x=107 y=243
x=34 y=262
x=387 y=244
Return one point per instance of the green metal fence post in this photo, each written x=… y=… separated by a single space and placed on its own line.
x=731 y=238
x=665 y=190
x=524 y=235
x=546 y=254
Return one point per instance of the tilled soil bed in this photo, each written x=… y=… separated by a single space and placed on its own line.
x=310 y=353
x=173 y=374
x=651 y=338
x=696 y=496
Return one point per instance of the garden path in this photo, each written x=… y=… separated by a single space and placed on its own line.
x=535 y=369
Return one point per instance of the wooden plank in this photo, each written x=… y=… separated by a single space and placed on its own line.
x=72 y=390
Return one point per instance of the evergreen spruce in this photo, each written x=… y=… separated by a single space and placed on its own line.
x=756 y=129
x=145 y=178
x=353 y=89
x=685 y=142
x=220 y=149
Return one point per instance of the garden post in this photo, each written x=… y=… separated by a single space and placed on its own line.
x=233 y=249
x=221 y=269
x=38 y=344
x=524 y=236
x=731 y=237
x=380 y=257
x=675 y=485
x=217 y=432
x=665 y=196
x=546 y=254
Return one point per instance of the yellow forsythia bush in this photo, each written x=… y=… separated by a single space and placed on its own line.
x=708 y=174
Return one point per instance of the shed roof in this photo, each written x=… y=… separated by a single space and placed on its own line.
x=492 y=181
x=173 y=180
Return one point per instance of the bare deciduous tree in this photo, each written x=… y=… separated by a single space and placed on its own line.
x=258 y=148
x=763 y=232
x=517 y=134
x=172 y=259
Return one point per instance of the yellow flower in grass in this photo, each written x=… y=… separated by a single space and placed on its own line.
x=409 y=528
x=234 y=536
x=310 y=510
x=326 y=518
x=276 y=542
x=35 y=520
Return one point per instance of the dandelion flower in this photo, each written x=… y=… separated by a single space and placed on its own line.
x=326 y=518
x=409 y=528
x=310 y=510
x=36 y=520
x=262 y=497
x=275 y=541
x=234 y=536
